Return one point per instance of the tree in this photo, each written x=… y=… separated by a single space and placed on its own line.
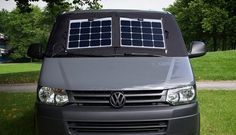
x=212 y=21
x=24 y=5
x=23 y=29
x=34 y=26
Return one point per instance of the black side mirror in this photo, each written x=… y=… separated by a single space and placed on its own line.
x=197 y=49
x=35 y=51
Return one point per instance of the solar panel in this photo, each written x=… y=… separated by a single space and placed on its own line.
x=89 y=34
x=147 y=33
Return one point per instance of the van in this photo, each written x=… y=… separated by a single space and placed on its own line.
x=116 y=72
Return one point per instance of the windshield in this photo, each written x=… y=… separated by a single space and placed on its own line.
x=115 y=34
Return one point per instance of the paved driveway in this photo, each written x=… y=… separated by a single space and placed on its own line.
x=217 y=85
x=202 y=85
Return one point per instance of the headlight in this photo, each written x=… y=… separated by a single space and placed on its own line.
x=181 y=95
x=52 y=96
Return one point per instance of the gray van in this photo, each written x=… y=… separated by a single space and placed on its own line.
x=116 y=72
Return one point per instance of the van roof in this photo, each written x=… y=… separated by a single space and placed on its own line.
x=116 y=10
x=58 y=40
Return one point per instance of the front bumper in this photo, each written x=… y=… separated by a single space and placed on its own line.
x=181 y=120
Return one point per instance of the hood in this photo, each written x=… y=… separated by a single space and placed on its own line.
x=116 y=73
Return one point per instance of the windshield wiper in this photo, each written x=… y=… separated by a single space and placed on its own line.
x=74 y=54
x=83 y=55
x=142 y=54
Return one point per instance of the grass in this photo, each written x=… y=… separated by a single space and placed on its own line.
x=218 y=113
x=16 y=113
x=19 y=67
x=215 y=66
x=19 y=73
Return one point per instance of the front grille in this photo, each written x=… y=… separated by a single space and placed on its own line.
x=136 y=127
x=133 y=97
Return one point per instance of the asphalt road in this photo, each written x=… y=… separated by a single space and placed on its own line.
x=202 y=85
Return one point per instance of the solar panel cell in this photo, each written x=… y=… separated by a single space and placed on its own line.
x=95 y=43
x=137 y=42
x=74 y=31
x=146 y=24
x=85 y=30
x=135 y=23
x=105 y=42
x=125 y=29
x=147 y=30
x=147 y=36
x=126 y=42
x=157 y=31
x=158 y=44
x=106 y=29
x=96 y=23
x=106 y=23
x=158 y=37
x=95 y=30
x=84 y=37
x=156 y=24
x=74 y=37
x=125 y=23
x=85 y=24
x=126 y=35
x=75 y=25
x=73 y=44
x=148 y=43
x=106 y=35
x=95 y=36
x=136 y=30
x=136 y=36
x=84 y=43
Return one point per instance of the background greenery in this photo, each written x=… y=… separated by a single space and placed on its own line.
x=211 y=21
x=29 y=24
x=217 y=113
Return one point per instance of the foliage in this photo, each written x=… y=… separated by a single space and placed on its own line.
x=24 y=5
x=23 y=29
x=213 y=21
x=34 y=26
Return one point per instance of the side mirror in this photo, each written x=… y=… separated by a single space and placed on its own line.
x=197 y=49
x=35 y=51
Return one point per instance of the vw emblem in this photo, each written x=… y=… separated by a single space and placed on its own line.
x=117 y=100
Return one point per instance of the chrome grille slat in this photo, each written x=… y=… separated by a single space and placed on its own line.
x=142 y=101
x=133 y=97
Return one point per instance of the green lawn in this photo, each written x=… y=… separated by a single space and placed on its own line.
x=19 y=73
x=19 y=67
x=215 y=66
x=16 y=113
x=218 y=113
